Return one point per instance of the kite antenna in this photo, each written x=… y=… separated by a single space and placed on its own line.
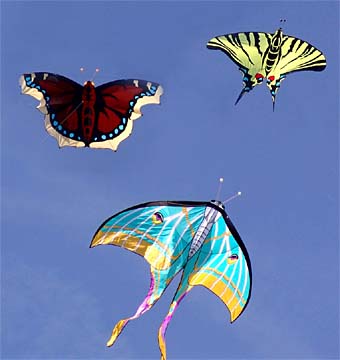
x=232 y=197
x=94 y=74
x=282 y=21
x=219 y=188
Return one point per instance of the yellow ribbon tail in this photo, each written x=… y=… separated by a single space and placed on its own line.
x=161 y=343
x=116 y=331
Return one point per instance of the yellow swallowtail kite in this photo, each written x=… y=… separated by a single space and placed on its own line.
x=272 y=56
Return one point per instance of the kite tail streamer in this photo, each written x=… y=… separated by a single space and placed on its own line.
x=153 y=295
x=164 y=325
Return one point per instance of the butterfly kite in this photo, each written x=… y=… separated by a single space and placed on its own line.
x=97 y=117
x=270 y=57
x=196 y=237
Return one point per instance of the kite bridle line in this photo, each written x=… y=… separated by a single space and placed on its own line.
x=61 y=122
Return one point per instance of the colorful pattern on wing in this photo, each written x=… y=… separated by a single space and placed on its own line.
x=272 y=56
x=197 y=237
x=162 y=244
x=80 y=116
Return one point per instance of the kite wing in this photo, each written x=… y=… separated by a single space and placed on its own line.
x=246 y=50
x=294 y=55
x=118 y=103
x=60 y=101
x=161 y=232
x=223 y=266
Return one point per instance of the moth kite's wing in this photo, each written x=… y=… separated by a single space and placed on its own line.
x=223 y=266
x=161 y=232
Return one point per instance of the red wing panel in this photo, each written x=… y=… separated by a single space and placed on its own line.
x=120 y=101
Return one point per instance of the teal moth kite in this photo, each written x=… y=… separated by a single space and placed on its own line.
x=267 y=57
x=196 y=237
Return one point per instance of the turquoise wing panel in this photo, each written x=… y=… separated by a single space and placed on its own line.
x=223 y=266
x=161 y=232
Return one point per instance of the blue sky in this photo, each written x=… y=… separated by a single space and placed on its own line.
x=61 y=299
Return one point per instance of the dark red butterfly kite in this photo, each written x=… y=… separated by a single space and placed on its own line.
x=97 y=117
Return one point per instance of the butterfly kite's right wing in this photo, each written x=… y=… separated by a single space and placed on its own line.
x=60 y=101
x=223 y=266
x=246 y=50
x=118 y=105
x=161 y=232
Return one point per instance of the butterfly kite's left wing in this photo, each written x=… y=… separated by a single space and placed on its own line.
x=161 y=232
x=223 y=266
x=60 y=101
x=247 y=51
x=118 y=105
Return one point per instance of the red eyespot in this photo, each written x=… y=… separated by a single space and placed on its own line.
x=271 y=78
x=259 y=76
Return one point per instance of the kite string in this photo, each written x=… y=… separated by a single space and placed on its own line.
x=61 y=122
